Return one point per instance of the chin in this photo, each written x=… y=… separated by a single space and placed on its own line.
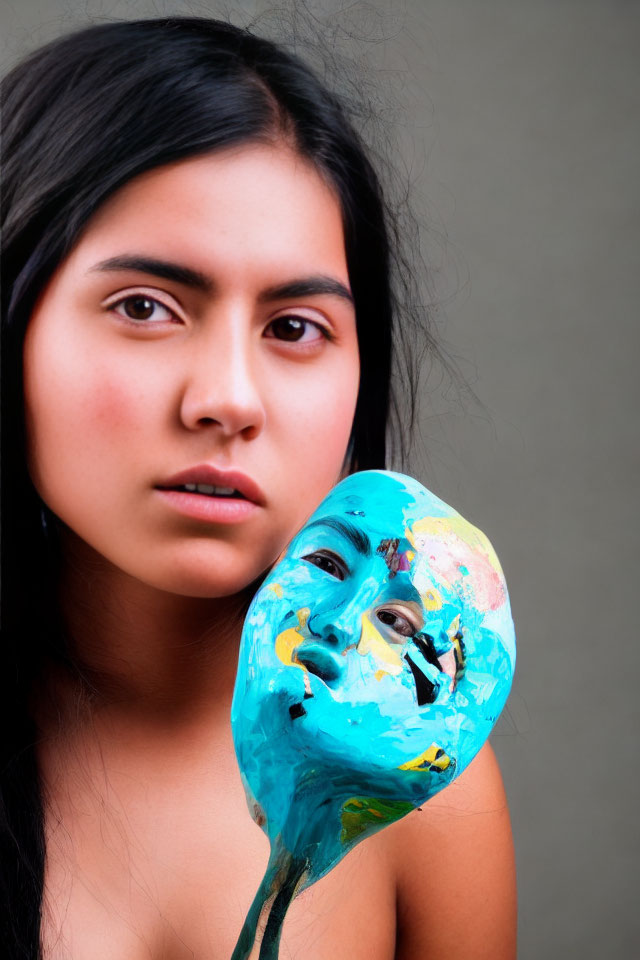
x=209 y=580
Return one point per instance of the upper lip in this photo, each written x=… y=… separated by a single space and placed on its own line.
x=214 y=477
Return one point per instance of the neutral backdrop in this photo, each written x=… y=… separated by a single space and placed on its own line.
x=518 y=127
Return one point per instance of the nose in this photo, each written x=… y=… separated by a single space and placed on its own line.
x=331 y=632
x=338 y=626
x=222 y=385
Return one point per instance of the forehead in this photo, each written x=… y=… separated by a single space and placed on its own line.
x=369 y=517
x=413 y=535
x=379 y=505
x=244 y=206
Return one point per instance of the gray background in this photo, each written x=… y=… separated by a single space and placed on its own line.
x=518 y=123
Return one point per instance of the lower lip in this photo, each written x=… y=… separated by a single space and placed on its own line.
x=209 y=509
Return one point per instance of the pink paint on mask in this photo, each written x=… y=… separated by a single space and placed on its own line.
x=459 y=555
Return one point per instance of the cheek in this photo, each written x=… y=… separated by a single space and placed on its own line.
x=309 y=421
x=312 y=454
x=80 y=419
x=116 y=414
x=317 y=415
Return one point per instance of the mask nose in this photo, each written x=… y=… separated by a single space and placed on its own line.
x=331 y=634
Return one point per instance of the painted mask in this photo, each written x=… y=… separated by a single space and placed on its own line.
x=375 y=659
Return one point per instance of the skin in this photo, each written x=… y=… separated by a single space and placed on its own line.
x=150 y=850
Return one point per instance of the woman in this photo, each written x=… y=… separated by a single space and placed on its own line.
x=198 y=322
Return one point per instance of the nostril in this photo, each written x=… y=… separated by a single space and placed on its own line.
x=318 y=630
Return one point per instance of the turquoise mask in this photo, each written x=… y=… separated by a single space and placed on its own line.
x=375 y=659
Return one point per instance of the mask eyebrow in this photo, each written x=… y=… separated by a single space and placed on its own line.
x=351 y=533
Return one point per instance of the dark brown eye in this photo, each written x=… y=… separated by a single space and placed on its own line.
x=330 y=564
x=139 y=307
x=398 y=623
x=294 y=329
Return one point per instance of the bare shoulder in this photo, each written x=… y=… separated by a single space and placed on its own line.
x=455 y=871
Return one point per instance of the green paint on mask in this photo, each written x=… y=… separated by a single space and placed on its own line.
x=358 y=813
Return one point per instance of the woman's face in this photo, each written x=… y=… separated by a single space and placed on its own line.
x=200 y=332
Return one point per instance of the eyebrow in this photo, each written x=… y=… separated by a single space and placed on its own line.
x=359 y=539
x=310 y=286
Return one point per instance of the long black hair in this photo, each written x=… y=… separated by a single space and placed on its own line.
x=82 y=116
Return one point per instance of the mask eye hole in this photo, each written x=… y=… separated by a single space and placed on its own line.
x=426 y=691
x=328 y=561
x=397 y=621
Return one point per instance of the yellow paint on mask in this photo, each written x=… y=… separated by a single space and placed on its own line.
x=277 y=589
x=456 y=635
x=371 y=642
x=286 y=642
x=431 y=599
x=433 y=759
x=303 y=616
